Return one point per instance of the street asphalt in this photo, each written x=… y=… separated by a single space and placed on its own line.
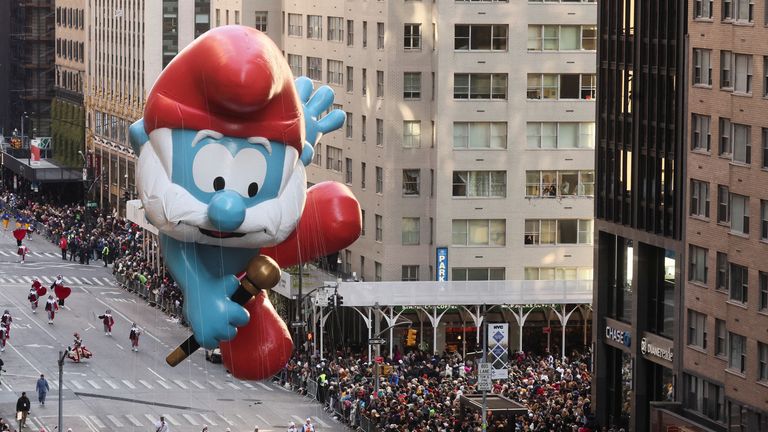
x=117 y=389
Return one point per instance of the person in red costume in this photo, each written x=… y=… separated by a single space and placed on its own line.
x=222 y=146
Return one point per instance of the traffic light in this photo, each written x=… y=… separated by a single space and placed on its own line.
x=331 y=301
x=339 y=300
x=410 y=338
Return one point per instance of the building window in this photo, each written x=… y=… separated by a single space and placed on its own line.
x=365 y=82
x=480 y=86
x=702 y=9
x=412 y=85
x=380 y=36
x=348 y=171
x=701 y=136
x=349 y=126
x=479 y=135
x=721 y=282
x=765 y=141
x=379 y=228
x=315 y=68
x=551 y=184
x=318 y=159
x=558 y=231
x=721 y=335
x=763 y=285
x=562 y=38
x=479 y=184
x=295 y=27
x=550 y=135
x=411 y=134
x=237 y=17
x=350 y=32
x=558 y=273
x=379 y=180
x=412 y=37
x=365 y=34
x=362 y=175
x=736 y=72
x=379 y=84
x=763 y=220
x=411 y=182
x=738 y=10
x=218 y=17
x=702 y=66
x=697 y=269
x=379 y=132
x=411 y=231
x=377 y=271
x=315 y=27
x=478 y=273
x=765 y=64
x=739 y=216
x=478 y=232
x=480 y=37
x=737 y=352
x=335 y=74
x=333 y=159
x=697 y=329
x=704 y=397
x=723 y=196
x=762 y=366
x=336 y=29
x=699 y=198
x=742 y=143
x=739 y=283
x=410 y=273
x=363 y=129
x=362 y=224
x=563 y=86
x=260 y=20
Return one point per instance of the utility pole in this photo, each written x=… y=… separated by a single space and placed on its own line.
x=62 y=356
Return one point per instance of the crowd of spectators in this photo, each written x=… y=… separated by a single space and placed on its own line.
x=421 y=392
x=96 y=235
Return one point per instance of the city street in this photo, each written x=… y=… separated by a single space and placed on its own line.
x=117 y=389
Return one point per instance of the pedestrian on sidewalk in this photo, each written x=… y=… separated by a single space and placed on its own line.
x=134 y=336
x=63 y=247
x=108 y=322
x=105 y=254
x=32 y=297
x=51 y=307
x=22 y=410
x=42 y=389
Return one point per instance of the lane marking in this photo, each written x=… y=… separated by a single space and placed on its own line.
x=266 y=387
x=191 y=420
x=172 y=420
x=197 y=384
x=93 y=383
x=229 y=422
x=133 y=420
x=128 y=383
x=156 y=374
x=111 y=384
x=320 y=422
x=109 y=282
x=120 y=346
x=97 y=422
x=247 y=385
x=145 y=384
x=4 y=253
x=27 y=279
x=266 y=423
x=77 y=384
x=77 y=281
x=46 y=280
x=298 y=419
x=162 y=383
x=213 y=383
x=233 y=386
x=114 y=420
x=180 y=384
x=151 y=419
x=208 y=420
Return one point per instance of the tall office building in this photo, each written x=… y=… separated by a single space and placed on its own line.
x=31 y=78
x=445 y=148
x=639 y=208
x=725 y=364
x=67 y=110
x=128 y=44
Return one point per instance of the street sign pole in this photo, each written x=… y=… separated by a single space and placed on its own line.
x=486 y=366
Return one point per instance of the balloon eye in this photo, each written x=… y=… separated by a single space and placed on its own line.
x=253 y=189
x=218 y=183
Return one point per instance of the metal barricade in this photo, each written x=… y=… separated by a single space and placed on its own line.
x=312 y=389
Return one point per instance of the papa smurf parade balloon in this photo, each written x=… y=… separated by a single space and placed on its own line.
x=221 y=148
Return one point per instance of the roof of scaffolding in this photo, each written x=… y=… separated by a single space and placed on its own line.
x=455 y=293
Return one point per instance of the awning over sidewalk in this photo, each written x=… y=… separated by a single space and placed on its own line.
x=46 y=171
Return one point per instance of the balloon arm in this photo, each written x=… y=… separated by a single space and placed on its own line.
x=138 y=136
x=331 y=221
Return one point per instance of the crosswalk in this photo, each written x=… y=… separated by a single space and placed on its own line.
x=68 y=280
x=31 y=254
x=144 y=385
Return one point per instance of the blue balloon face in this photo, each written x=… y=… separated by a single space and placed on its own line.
x=246 y=173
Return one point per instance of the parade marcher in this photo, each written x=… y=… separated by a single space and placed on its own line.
x=79 y=351
x=23 y=251
x=162 y=426
x=307 y=426
x=22 y=409
x=108 y=322
x=6 y=220
x=6 y=321
x=63 y=247
x=292 y=427
x=59 y=282
x=134 y=336
x=32 y=297
x=42 y=389
x=3 y=336
x=51 y=307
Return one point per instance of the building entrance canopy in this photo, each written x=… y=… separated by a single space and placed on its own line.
x=45 y=171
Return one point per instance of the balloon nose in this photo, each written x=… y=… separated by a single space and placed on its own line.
x=226 y=211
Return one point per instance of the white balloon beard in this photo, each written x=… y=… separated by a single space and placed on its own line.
x=178 y=214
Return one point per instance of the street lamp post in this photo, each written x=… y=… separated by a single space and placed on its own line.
x=85 y=189
x=62 y=356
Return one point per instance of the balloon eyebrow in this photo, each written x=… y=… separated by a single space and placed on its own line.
x=262 y=141
x=205 y=133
